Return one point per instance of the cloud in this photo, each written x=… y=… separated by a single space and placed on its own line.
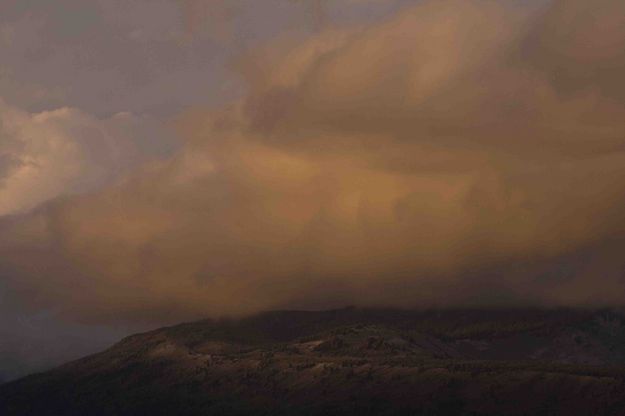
x=105 y=57
x=460 y=152
x=66 y=151
x=33 y=342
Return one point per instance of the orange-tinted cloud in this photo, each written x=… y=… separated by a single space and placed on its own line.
x=461 y=152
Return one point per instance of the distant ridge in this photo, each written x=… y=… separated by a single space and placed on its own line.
x=348 y=361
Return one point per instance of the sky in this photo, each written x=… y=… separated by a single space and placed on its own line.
x=169 y=160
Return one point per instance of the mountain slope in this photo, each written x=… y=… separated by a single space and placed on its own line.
x=348 y=361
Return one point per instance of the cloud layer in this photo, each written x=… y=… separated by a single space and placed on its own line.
x=459 y=152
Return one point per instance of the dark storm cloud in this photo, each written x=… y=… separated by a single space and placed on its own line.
x=458 y=152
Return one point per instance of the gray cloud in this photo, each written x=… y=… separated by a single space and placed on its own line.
x=105 y=57
x=34 y=341
x=141 y=56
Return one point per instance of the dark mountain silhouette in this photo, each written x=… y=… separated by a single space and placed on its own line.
x=348 y=362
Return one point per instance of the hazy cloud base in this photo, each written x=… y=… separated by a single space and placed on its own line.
x=459 y=152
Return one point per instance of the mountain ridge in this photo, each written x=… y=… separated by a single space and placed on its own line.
x=348 y=361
